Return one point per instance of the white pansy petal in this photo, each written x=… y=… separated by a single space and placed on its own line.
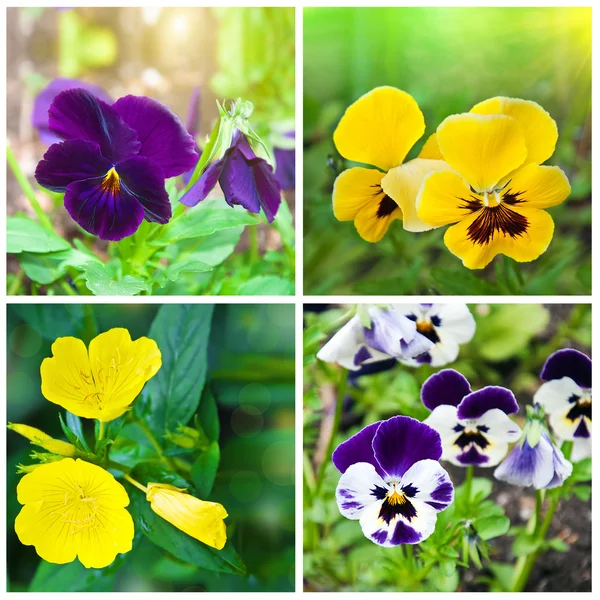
x=445 y=351
x=443 y=420
x=456 y=320
x=563 y=427
x=499 y=425
x=554 y=395
x=354 y=491
x=582 y=448
x=429 y=482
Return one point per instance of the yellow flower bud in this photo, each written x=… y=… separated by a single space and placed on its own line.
x=39 y=438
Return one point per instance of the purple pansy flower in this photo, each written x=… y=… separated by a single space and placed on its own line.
x=567 y=399
x=392 y=481
x=446 y=325
x=391 y=335
x=43 y=101
x=474 y=426
x=541 y=465
x=245 y=179
x=285 y=165
x=114 y=160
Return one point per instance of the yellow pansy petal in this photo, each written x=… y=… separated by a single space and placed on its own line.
x=380 y=128
x=402 y=184
x=539 y=187
x=373 y=221
x=353 y=190
x=431 y=149
x=444 y=198
x=121 y=367
x=539 y=128
x=482 y=148
x=201 y=520
x=532 y=234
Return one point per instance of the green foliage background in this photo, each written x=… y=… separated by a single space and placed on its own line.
x=242 y=356
x=448 y=59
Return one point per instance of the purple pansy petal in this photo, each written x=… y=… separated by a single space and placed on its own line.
x=472 y=457
x=357 y=449
x=163 y=136
x=582 y=430
x=192 y=123
x=70 y=161
x=111 y=215
x=569 y=363
x=204 y=184
x=475 y=404
x=268 y=189
x=237 y=181
x=445 y=387
x=285 y=168
x=400 y=442
x=430 y=483
x=41 y=106
x=78 y=114
x=354 y=490
x=145 y=180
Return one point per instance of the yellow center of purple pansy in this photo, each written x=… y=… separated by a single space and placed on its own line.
x=111 y=182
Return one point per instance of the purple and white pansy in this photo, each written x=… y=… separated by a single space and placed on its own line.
x=566 y=396
x=390 y=335
x=474 y=426
x=445 y=325
x=392 y=482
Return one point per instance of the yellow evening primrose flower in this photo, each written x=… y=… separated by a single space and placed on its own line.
x=99 y=383
x=39 y=438
x=379 y=129
x=498 y=190
x=199 y=519
x=74 y=509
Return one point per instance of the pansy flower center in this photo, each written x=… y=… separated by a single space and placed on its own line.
x=581 y=406
x=396 y=501
x=471 y=435
x=111 y=182
x=426 y=326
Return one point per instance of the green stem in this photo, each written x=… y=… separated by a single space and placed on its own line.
x=67 y=288
x=155 y=444
x=254 y=250
x=468 y=484
x=137 y=484
x=27 y=189
x=337 y=417
x=17 y=281
x=101 y=431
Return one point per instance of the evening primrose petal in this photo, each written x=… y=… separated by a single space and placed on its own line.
x=538 y=127
x=380 y=128
x=39 y=438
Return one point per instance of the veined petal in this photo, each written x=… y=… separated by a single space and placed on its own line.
x=380 y=128
x=357 y=449
x=476 y=404
x=538 y=187
x=354 y=491
x=354 y=189
x=445 y=387
x=78 y=114
x=527 y=466
x=431 y=149
x=429 y=482
x=569 y=362
x=402 y=184
x=538 y=127
x=163 y=137
x=562 y=468
x=482 y=148
x=70 y=161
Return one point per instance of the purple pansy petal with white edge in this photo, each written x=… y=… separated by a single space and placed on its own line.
x=475 y=404
x=430 y=483
x=111 y=214
x=204 y=184
x=569 y=363
x=70 y=161
x=354 y=490
x=357 y=449
x=402 y=441
x=77 y=114
x=41 y=106
x=163 y=137
x=445 y=387
x=146 y=181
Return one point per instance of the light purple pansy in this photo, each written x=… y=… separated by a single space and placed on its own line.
x=391 y=335
x=474 y=426
x=114 y=160
x=244 y=178
x=567 y=399
x=446 y=325
x=392 y=481
x=285 y=165
x=542 y=466
x=43 y=101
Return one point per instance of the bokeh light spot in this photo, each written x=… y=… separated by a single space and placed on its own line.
x=278 y=463
x=247 y=421
x=25 y=340
x=255 y=395
x=245 y=486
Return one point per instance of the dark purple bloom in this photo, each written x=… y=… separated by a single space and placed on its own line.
x=244 y=178
x=114 y=160
x=392 y=481
x=474 y=426
x=43 y=101
x=285 y=165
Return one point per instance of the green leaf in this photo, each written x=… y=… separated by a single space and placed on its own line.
x=583 y=492
x=208 y=152
x=208 y=415
x=557 y=544
x=74 y=424
x=172 y=396
x=53 y=320
x=204 y=470
x=47 y=268
x=72 y=577
x=186 y=266
x=582 y=470
x=525 y=544
x=101 y=280
x=26 y=235
x=214 y=249
x=266 y=285
x=199 y=222
x=491 y=527
x=462 y=282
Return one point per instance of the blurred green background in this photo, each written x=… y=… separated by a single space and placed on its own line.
x=448 y=59
x=251 y=372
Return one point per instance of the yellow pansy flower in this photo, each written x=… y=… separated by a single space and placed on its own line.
x=100 y=383
x=379 y=129
x=498 y=190
x=74 y=509
x=199 y=519
x=39 y=438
